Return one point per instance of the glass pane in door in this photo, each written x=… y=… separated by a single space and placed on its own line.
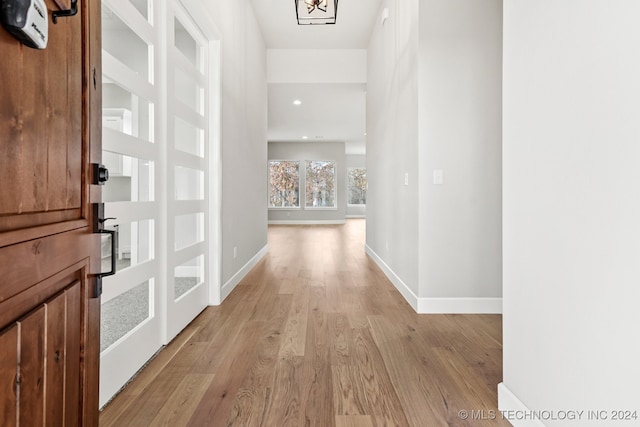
x=189 y=229
x=188 y=91
x=134 y=244
x=188 y=138
x=126 y=112
x=189 y=183
x=130 y=178
x=117 y=34
x=188 y=275
x=186 y=44
x=123 y=313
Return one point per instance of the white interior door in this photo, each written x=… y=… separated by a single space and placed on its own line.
x=188 y=174
x=131 y=325
x=157 y=145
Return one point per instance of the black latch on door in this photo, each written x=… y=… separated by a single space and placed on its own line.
x=100 y=177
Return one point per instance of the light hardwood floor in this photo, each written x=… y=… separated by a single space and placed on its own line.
x=316 y=335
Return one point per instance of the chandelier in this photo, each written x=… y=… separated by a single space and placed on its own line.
x=315 y=12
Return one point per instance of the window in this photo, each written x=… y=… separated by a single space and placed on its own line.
x=320 y=184
x=357 y=188
x=284 y=184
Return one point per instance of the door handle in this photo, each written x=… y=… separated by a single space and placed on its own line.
x=112 y=271
x=98 y=228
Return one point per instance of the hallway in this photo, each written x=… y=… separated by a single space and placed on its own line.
x=316 y=335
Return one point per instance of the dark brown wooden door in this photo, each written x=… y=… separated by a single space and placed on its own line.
x=50 y=119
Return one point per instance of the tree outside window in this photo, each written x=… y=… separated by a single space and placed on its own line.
x=284 y=184
x=320 y=184
x=357 y=187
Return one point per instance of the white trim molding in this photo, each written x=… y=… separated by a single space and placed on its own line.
x=309 y=222
x=509 y=404
x=437 y=305
x=231 y=284
x=460 y=305
x=402 y=287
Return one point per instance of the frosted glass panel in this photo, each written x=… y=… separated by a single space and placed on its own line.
x=189 y=138
x=124 y=312
x=130 y=178
x=189 y=184
x=188 y=275
x=189 y=229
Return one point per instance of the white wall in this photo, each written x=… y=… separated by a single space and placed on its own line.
x=434 y=102
x=460 y=134
x=392 y=142
x=244 y=133
x=311 y=150
x=571 y=206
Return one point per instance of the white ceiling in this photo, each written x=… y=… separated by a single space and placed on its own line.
x=277 y=19
x=329 y=112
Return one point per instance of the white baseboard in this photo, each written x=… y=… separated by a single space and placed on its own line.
x=460 y=305
x=402 y=287
x=237 y=278
x=355 y=216
x=309 y=222
x=509 y=405
x=437 y=305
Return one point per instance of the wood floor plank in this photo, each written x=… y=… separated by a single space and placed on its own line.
x=377 y=386
x=354 y=421
x=316 y=335
x=418 y=395
x=216 y=404
x=256 y=393
x=285 y=404
x=349 y=397
x=295 y=334
x=182 y=402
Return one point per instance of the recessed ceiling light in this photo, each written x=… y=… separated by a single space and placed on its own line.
x=305 y=137
x=297 y=102
x=365 y=134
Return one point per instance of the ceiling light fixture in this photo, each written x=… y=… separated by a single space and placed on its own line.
x=316 y=12
x=297 y=102
x=305 y=137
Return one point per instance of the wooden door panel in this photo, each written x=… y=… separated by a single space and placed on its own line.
x=8 y=371
x=41 y=128
x=40 y=364
x=35 y=260
x=56 y=326
x=31 y=369
x=50 y=133
x=73 y=342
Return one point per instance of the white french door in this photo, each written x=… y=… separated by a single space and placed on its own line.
x=157 y=147
x=188 y=175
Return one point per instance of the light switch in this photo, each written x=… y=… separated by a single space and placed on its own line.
x=406 y=178
x=438 y=177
